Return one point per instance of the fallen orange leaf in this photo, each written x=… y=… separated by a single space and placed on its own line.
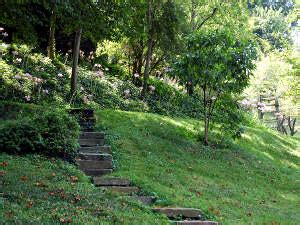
x=4 y=164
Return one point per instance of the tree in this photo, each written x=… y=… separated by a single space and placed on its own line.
x=150 y=31
x=25 y=19
x=285 y=5
x=220 y=65
x=91 y=14
x=218 y=14
x=272 y=28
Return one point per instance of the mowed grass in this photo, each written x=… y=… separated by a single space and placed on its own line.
x=255 y=180
x=38 y=190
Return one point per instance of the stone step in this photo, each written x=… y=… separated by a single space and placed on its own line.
x=95 y=149
x=87 y=129
x=180 y=212
x=87 y=120
x=92 y=135
x=95 y=164
x=82 y=112
x=87 y=126
x=124 y=189
x=195 y=222
x=110 y=181
x=94 y=156
x=146 y=200
x=91 y=142
x=97 y=172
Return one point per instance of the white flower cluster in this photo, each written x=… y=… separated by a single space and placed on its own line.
x=87 y=98
x=127 y=93
x=99 y=70
x=2 y=32
x=151 y=89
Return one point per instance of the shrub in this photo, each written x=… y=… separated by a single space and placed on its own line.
x=51 y=133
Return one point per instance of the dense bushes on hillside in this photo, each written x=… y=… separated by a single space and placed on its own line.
x=33 y=78
x=52 y=133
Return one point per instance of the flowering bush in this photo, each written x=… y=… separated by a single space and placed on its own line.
x=27 y=77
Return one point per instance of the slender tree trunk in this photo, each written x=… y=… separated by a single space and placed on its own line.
x=206 y=119
x=51 y=45
x=75 y=60
x=206 y=129
x=193 y=15
x=149 y=49
x=190 y=84
x=147 y=67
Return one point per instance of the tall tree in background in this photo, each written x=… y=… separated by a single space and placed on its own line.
x=272 y=29
x=150 y=30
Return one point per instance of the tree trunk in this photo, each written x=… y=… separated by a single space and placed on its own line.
x=206 y=129
x=149 y=49
x=147 y=67
x=193 y=15
x=206 y=120
x=76 y=50
x=51 y=45
x=190 y=87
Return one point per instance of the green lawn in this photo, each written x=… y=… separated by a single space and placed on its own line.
x=255 y=180
x=37 y=190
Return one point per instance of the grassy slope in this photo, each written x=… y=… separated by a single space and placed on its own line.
x=38 y=190
x=255 y=181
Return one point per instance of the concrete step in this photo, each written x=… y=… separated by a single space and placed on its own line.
x=92 y=135
x=95 y=149
x=195 y=222
x=146 y=200
x=94 y=156
x=124 y=189
x=91 y=142
x=180 y=212
x=97 y=172
x=110 y=181
x=94 y=164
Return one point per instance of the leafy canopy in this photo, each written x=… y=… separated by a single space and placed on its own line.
x=218 y=60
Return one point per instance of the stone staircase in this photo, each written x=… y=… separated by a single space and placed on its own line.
x=95 y=159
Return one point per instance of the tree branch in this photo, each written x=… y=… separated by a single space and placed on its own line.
x=207 y=18
x=156 y=63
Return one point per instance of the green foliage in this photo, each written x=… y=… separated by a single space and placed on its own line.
x=217 y=59
x=272 y=26
x=285 y=5
x=219 y=65
x=51 y=133
x=25 y=19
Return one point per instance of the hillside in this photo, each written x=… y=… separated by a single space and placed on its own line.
x=150 y=112
x=254 y=180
